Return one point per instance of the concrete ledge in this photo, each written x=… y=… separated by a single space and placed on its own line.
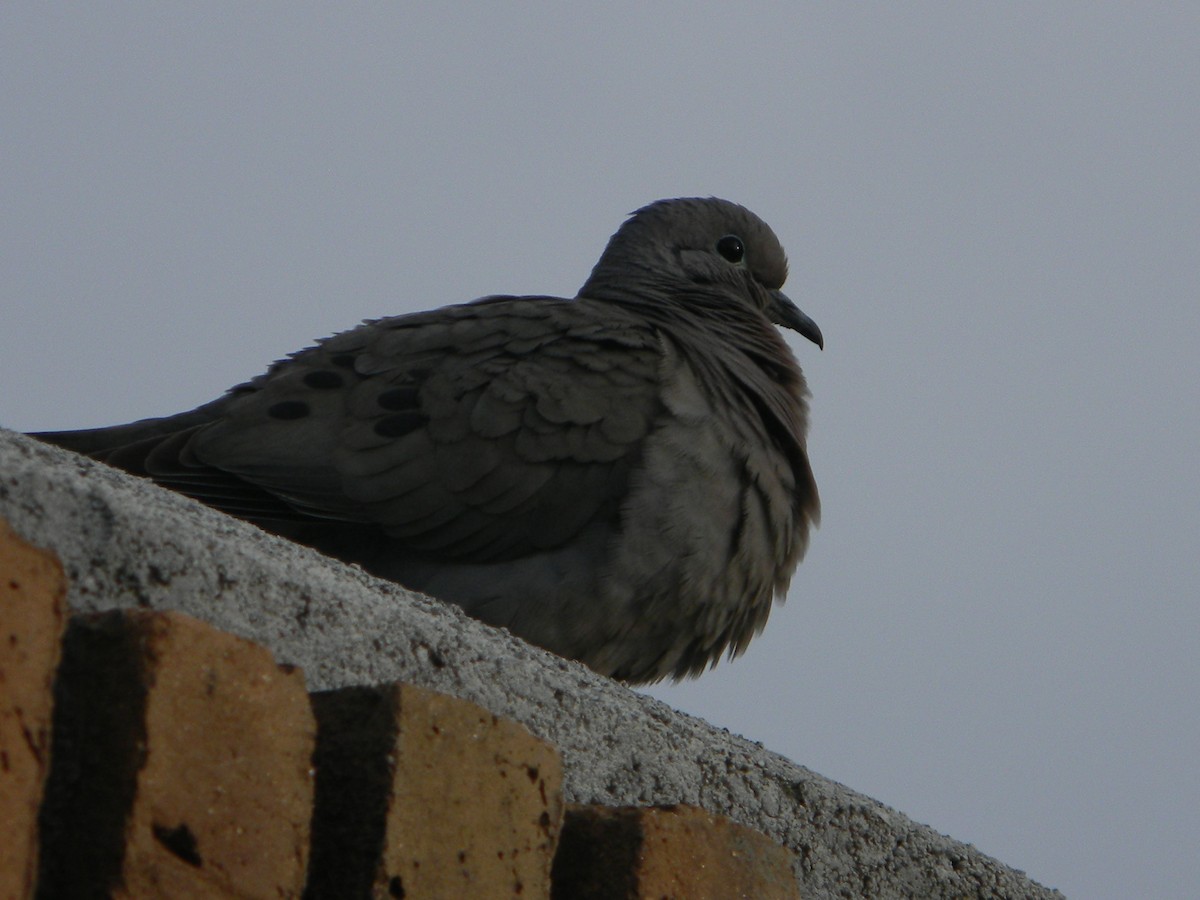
x=125 y=543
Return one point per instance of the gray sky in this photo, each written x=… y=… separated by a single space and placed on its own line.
x=993 y=211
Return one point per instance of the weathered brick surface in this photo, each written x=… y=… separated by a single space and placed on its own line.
x=667 y=853
x=182 y=764
x=424 y=795
x=33 y=614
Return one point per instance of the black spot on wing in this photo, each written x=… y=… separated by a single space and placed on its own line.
x=288 y=409
x=323 y=380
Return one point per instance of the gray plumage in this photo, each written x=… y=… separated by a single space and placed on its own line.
x=621 y=478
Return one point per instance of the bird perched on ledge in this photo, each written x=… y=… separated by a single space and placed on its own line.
x=621 y=478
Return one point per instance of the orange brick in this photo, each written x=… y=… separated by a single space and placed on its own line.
x=33 y=614
x=667 y=853
x=182 y=764
x=424 y=795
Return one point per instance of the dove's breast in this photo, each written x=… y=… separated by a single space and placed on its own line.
x=706 y=536
x=712 y=530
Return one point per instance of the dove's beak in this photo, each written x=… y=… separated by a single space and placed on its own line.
x=786 y=313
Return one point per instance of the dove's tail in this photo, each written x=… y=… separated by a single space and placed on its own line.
x=127 y=446
x=160 y=449
x=101 y=443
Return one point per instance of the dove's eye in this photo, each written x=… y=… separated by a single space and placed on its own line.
x=731 y=248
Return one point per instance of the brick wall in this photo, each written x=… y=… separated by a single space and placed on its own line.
x=147 y=754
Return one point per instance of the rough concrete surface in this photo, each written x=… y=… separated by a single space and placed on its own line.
x=124 y=543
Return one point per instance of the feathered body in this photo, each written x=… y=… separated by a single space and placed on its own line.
x=620 y=477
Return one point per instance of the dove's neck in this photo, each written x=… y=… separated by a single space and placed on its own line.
x=714 y=317
x=728 y=342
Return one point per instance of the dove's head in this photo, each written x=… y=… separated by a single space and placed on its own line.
x=672 y=244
